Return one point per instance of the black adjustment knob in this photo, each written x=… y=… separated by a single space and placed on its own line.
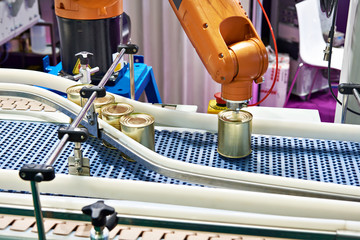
x=37 y=172
x=84 y=57
x=112 y=221
x=98 y=212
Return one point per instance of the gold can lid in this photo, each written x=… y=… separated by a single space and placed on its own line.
x=99 y=102
x=116 y=109
x=235 y=116
x=109 y=98
x=137 y=120
x=76 y=88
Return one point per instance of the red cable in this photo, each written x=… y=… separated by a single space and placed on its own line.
x=276 y=53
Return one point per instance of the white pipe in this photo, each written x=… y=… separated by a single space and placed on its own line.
x=214 y=198
x=171 y=212
x=193 y=169
x=207 y=122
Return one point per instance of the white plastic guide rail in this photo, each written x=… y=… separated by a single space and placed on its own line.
x=190 y=172
x=207 y=175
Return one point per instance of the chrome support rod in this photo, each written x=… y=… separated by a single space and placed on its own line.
x=37 y=210
x=132 y=77
x=344 y=108
x=357 y=95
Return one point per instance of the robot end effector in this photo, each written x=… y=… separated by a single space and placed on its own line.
x=227 y=44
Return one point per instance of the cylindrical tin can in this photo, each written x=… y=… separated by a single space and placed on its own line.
x=99 y=102
x=112 y=112
x=140 y=127
x=234 y=133
x=73 y=93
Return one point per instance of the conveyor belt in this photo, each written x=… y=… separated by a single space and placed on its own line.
x=319 y=160
x=25 y=226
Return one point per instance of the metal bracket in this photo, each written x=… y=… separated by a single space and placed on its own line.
x=130 y=49
x=92 y=118
x=79 y=165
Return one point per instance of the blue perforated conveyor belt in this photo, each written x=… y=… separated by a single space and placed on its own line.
x=319 y=160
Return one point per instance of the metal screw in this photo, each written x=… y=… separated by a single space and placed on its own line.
x=205 y=25
x=22 y=175
x=221 y=55
x=82 y=137
x=223 y=78
x=341 y=90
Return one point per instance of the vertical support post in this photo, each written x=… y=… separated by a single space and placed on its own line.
x=130 y=49
x=132 y=76
x=256 y=16
x=344 y=108
x=37 y=210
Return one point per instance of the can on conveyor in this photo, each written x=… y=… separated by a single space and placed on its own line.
x=112 y=113
x=100 y=102
x=73 y=93
x=140 y=127
x=234 y=133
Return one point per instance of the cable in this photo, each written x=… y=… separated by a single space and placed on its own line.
x=327 y=6
x=331 y=37
x=5 y=49
x=276 y=54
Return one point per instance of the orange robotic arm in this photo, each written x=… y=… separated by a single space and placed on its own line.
x=227 y=44
x=88 y=9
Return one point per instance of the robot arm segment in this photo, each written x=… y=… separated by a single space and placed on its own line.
x=88 y=9
x=226 y=42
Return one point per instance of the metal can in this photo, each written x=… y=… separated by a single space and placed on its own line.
x=73 y=93
x=140 y=127
x=234 y=133
x=99 y=102
x=112 y=112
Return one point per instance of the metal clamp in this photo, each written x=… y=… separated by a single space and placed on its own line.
x=75 y=134
x=78 y=165
x=85 y=71
x=86 y=92
x=348 y=89
x=130 y=49
x=37 y=172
